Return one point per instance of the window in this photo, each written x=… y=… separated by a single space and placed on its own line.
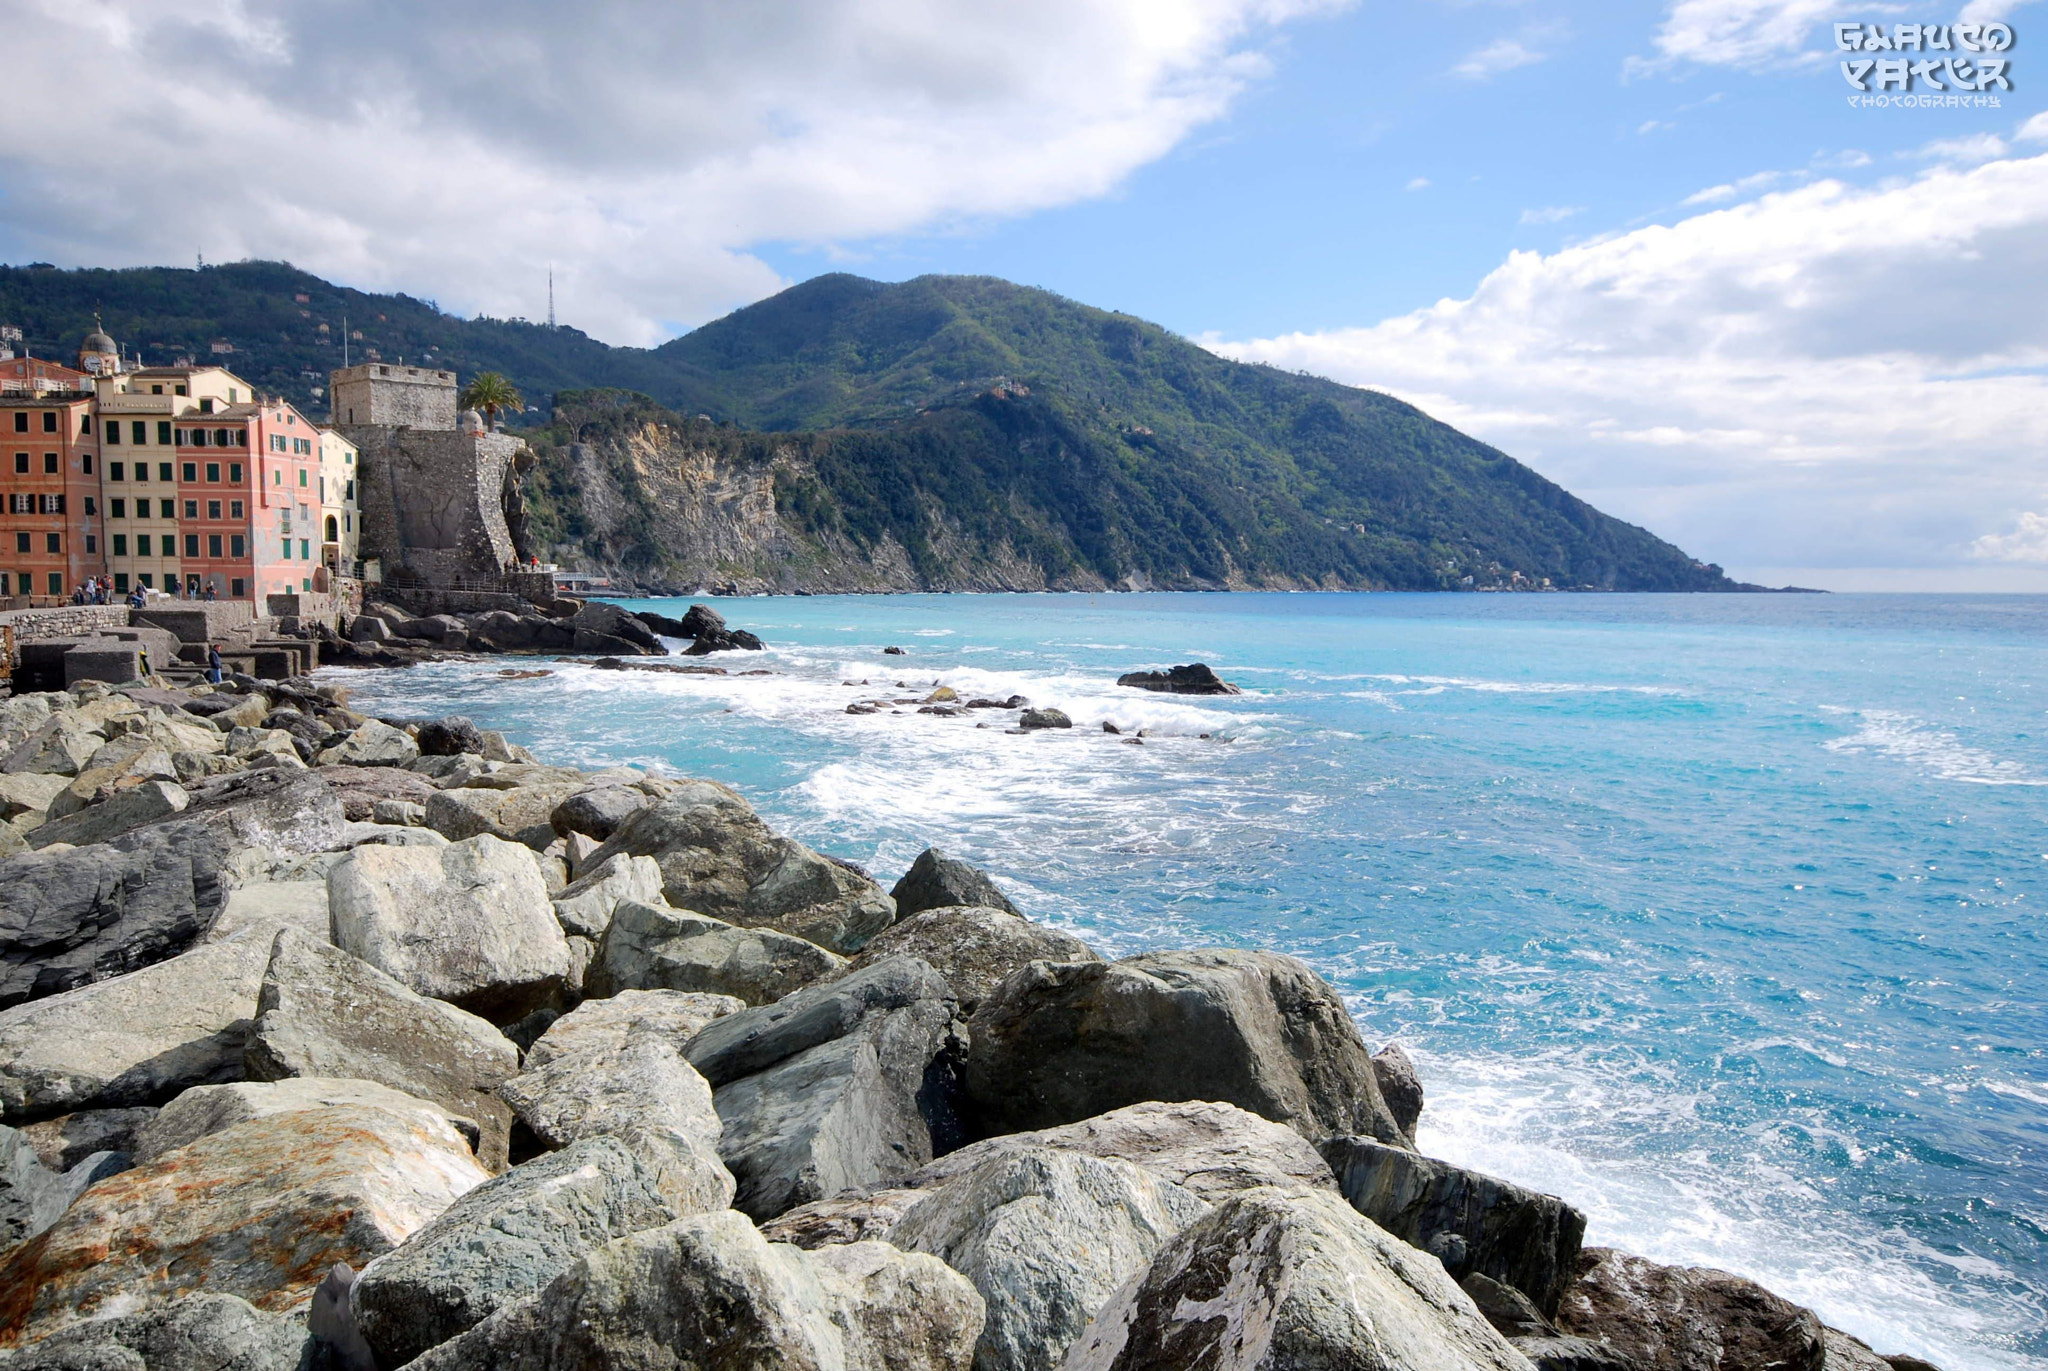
x=138 y=432
x=84 y=431
x=197 y=437
x=277 y=442
x=92 y=544
x=191 y=545
x=50 y=467
x=287 y=549
x=222 y=438
x=213 y=473
x=305 y=583
x=191 y=509
x=56 y=583
x=142 y=471
x=49 y=421
x=183 y=438
x=21 y=503
x=87 y=468
x=213 y=545
x=21 y=421
x=163 y=471
x=302 y=475
x=117 y=509
x=120 y=583
x=21 y=464
x=158 y=390
x=120 y=545
x=53 y=542
x=167 y=508
x=178 y=390
x=142 y=549
x=235 y=473
x=117 y=471
x=305 y=554
x=147 y=580
x=347 y=524
x=349 y=491
x=213 y=509
x=21 y=545
x=277 y=478
x=163 y=432
x=234 y=509
x=238 y=588
x=238 y=546
x=90 y=507
x=191 y=470
x=51 y=504
x=241 y=437
x=206 y=405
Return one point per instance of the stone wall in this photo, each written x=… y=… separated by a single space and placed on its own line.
x=69 y=621
x=379 y=393
x=199 y=622
x=432 y=502
x=432 y=600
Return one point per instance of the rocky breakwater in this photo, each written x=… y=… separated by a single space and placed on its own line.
x=374 y=1045
x=387 y=634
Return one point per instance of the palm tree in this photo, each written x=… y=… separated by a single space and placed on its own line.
x=491 y=393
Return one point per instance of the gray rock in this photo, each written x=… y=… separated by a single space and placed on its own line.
x=271 y=905
x=68 y=919
x=1288 y=1280
x=450 y=737
x=1400 y=1087
x=1056 y=1043
x=1468 y=1221
x=260 y=1210
x=1047 y=1237
x=469 y=923
x=600 y=1090
x=1556 y=1352
x=974 y=948
x=500 y=1243
x=1847 y=1353
x=201 y=1332
x=597 y=813
x=709 y=1292
x=28 y=793
x=1686 y=1318
x=61 y=746
x=857 y=1216
x=606 y=1025
x=585 y=906
x=322 y=1012
x=290 y=811
x=331 y=1320
x=362 y=788
x=65 y=1141
x=718 y=858
x=520 y=814
x=864 y=1095
x=372 y=744
x=31 y=1196
x=1032 y=719
x=138 y=1039
x=936 y=881
x=649 y=948
x=207 y=1109
x=1213 y=1150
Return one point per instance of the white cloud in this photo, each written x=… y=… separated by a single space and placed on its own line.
x=1419 y=183
x=455 y=149
x=1734 y=189
x=2028 y=541
x=1735 y=33
x=1973 y=147
x=1551 y=214
x=2035 y=130
x=1824 y=377
x=1503 y=54
x=1649 y=126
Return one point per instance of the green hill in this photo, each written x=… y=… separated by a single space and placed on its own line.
x=945 y=432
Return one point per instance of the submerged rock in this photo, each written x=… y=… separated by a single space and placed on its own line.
x=1197 y=678
x=1400 y=1086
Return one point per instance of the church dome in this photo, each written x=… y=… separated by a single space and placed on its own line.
x=472 y=421
x=96 y=341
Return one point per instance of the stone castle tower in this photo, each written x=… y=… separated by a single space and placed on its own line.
x=433 y=484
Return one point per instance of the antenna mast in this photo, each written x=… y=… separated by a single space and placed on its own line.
x=551 y=295
x=344 y=340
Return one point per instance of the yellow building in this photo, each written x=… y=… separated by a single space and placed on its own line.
x=138 y=414
x=340 y=530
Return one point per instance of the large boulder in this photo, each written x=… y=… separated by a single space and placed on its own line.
x=936 y=881
x=1057 y=1043
x=289 y=811
x=68 y=919
x=650 y=948
x=1196 y=678
x=1212 y=1150
x=61 y=746
x=1468 y=1221
x=606 y=1025
x=127 y=807
x=1047 y=1237
x=68 y=1139
x=1285 y=1280
x=598 y=811
x=261 y=1211
x=372 y=743
x=138 y=1039
x=1686 y=1318
x=840 y=1086
x=718 y=858
x=602 y=627
x=362 y=788
x=450 y=737
x=1400 y=1086
x=469 y=923
x=641 y=1081
x=208 y=1109
x=710 y=1292
x=523 y=814
x=322 y=1012
x=501 y=1242
x=974 y=948
x=197 y=1333
x=32 y=1196
x=585 y=905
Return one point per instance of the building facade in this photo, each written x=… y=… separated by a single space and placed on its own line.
x=179 y=479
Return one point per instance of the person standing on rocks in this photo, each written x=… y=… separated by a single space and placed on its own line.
x=214 y=664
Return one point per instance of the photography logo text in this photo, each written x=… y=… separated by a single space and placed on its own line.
x=1926 y=65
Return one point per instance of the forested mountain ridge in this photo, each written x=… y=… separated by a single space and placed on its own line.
x=940 y=433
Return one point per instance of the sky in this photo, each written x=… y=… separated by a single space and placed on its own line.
x=1650 y=249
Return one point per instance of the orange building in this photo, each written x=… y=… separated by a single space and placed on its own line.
x=50 y=522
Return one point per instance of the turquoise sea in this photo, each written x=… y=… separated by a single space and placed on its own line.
x=1720 y=916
